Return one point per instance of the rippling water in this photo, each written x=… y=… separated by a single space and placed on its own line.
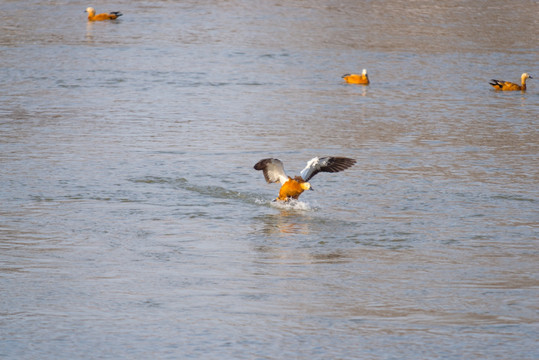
x=132 y=224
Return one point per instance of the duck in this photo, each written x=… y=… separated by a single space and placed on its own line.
x=509 y=86
x=100 y=17
x=292 y=188
x=356 y=78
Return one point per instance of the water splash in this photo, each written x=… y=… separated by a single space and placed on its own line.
x=291 y=205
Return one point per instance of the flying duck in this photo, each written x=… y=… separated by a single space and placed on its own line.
x=292 y=188
x=356 y=78
x=509 y=86
x=99 y=17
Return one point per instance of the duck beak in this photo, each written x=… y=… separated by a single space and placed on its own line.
x=311 y=188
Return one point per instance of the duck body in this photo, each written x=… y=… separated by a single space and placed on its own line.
x=509 y=86
x=101 y=17
x=362 y=79
x=292 y=188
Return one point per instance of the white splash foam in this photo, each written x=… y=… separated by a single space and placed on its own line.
x=291 y=205
x=261 y=201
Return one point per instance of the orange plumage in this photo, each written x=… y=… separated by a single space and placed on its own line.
x=292 y=188
x=362 y=79
x=509 y=86
x=100 y=17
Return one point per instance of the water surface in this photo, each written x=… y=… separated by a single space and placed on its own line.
x=132 y=224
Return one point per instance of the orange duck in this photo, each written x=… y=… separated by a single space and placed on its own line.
x=509 y=86
x=362 y=79
x=100 y=17
x=292 y=188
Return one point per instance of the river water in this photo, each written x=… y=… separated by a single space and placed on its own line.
x=133 y=225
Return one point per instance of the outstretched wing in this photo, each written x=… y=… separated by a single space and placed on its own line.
x=326 y=164
x=273 y=170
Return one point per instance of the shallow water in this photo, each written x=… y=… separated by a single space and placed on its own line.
x=132 y=224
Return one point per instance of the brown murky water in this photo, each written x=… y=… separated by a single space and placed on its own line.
x=132 y=224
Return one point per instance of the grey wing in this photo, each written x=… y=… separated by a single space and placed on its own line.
x=273 y=170
x=326 y=164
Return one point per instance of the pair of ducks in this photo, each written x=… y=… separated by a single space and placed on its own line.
x=363 y=79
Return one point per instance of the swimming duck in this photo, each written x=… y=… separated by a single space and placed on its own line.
x=356 y=78
x=509 y=86
x=99 y=17
x=292 y=188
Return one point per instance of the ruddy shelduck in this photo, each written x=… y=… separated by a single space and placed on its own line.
x=509 y=86
x=292 y=188
x=100 y=17
x=362 y=79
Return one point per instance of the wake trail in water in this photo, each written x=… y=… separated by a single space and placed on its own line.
x=219 y=192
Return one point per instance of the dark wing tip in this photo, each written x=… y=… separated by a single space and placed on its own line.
x=333 y=164
x=261 y=165
x=496 y=83
x=336 y=164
